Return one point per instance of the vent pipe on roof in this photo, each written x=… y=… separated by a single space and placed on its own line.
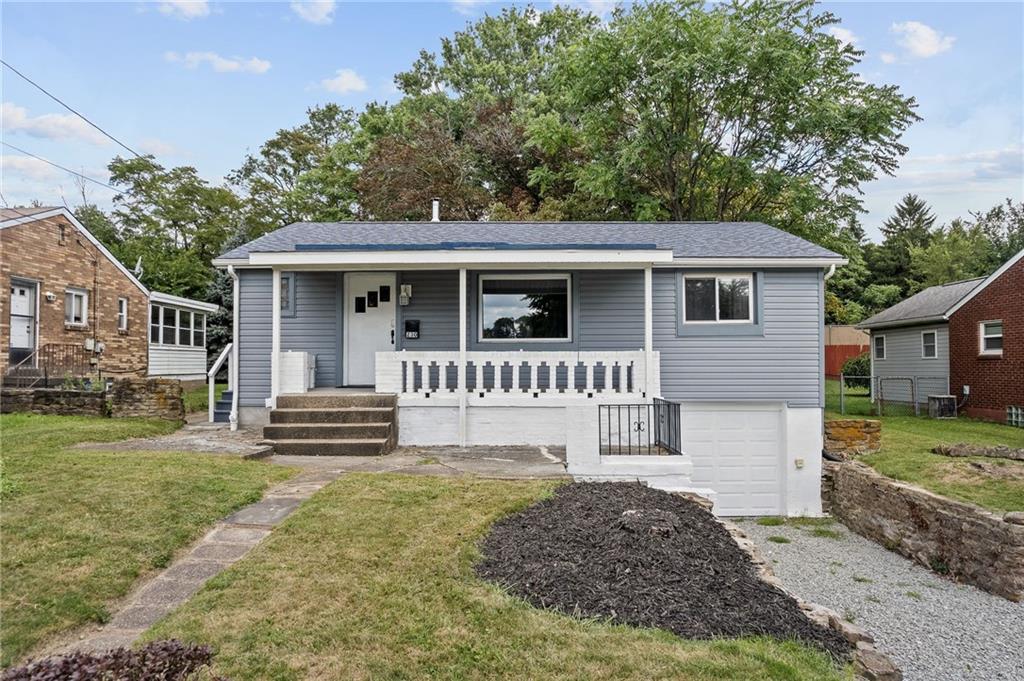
x=435 y=215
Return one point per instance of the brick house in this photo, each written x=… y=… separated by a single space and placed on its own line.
x=68 y=305
x=964 y=338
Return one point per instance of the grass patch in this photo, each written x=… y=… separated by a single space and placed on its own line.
x=809 y=523
x=826 y=533
x=428 y=461
x=863 y=580
x=771 y=521
x=79 y=527
x=372 y=578
x=906 y=455
x=198 y=399
x=914 y=594
x=778 y=539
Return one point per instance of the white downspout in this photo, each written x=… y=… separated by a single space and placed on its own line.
x=275 y=338
x=233 y=368
x=831 y=271
x=648 y=333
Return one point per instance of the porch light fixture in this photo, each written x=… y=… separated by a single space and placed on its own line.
x=405 y=294
x=50 y=296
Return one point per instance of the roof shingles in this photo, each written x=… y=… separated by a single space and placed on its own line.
x=928 y=305
x=686 y=239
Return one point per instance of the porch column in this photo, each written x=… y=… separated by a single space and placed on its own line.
x=648 y=332
x=460 y=370
x=275 y=336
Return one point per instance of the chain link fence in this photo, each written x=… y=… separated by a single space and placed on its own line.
x=887 y=395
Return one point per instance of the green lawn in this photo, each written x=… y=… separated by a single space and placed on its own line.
x=906 y=455
x=198 y=399
x=372 y=578
x=80 y=527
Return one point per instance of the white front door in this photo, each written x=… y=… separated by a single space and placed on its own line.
x=369 y=323
x=23 y=321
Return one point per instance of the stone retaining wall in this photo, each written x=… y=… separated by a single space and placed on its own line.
x=847 y=438
x=158 y=398
x=53 y=401
x=950 y=537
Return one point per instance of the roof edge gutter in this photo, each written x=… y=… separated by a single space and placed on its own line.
x=917 y=321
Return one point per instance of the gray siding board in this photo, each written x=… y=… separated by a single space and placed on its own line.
x=314 y=326
x=254 y=342
x=435 y=303
x=903 y=358
x=783 y=364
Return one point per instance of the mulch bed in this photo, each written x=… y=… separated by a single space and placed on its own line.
x=642 y=557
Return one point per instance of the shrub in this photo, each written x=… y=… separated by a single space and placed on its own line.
x=160 y=660
x=857 y=367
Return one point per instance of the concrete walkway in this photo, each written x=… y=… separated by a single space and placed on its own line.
x=225 y=544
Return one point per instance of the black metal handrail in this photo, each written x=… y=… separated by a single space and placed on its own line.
x=53 y=360
x=635 y=429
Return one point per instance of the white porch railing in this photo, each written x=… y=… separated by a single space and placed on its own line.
x=211 y=377
x=518 y=373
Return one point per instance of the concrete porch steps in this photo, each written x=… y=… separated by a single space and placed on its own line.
x=333 y=424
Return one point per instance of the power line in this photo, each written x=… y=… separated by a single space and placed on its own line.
x=63 y=104
x=57 y=165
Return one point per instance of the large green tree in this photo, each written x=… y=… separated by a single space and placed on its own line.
x=732 y=111
x=173 y=220
x=910 y=227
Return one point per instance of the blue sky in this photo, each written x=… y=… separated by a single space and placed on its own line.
x=202 y=83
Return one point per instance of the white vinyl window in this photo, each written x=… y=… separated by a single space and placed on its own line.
x=718 y=299
x=879 y=346
x=122 y=314
x=525 y=308
x=929 y=345
x=76 y=307
x=171 y=326
x=991 y=337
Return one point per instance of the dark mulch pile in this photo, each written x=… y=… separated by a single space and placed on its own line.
x=169 y=660
x=642 y=557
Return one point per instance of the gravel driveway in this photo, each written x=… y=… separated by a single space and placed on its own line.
x=933 y=628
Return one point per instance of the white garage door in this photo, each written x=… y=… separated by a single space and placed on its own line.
x=736 y=451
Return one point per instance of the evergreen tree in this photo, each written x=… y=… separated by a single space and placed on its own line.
x=909 y=228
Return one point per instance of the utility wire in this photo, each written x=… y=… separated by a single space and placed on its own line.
x=61 y=102
x=56 y=165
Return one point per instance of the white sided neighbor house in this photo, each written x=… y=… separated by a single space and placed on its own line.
x=689 y=355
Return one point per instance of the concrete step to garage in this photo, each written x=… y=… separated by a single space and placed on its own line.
x=333 y=415
x=327 y=431
x=347 y=447
x=333 y=424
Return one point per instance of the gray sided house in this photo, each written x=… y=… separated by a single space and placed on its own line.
x=910 y=343
x=495 y=333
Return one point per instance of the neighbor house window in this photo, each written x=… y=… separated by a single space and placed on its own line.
x=525 y=307
x=879 y=342
x=725 y=298
x=929 y=345
x=171 y=326
x=76 y=307
x=992 y=337
x=122 y=314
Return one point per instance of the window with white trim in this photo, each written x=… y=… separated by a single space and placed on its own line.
x=718 y=299
x=171 y=326
x=879 y=346
x=122 y=314
x=991 y=337
x=287 y=294
x=525 y=307
x=929 y=345
x=76 y=307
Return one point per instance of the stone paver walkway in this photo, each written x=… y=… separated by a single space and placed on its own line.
x=207 y=438
x=225 y=544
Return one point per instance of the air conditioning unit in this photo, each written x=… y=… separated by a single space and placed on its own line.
x=942 y=406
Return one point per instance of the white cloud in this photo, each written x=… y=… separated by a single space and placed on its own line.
x=971 y=166
x=920 y=40
x=344 y=82
x=467 y=6
x=28 y=167
x=314 y=11
x=843 y=35
x=193 y=60
x=49 y=126
x=157 y=147
x=888 y=58
x=185 y=9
